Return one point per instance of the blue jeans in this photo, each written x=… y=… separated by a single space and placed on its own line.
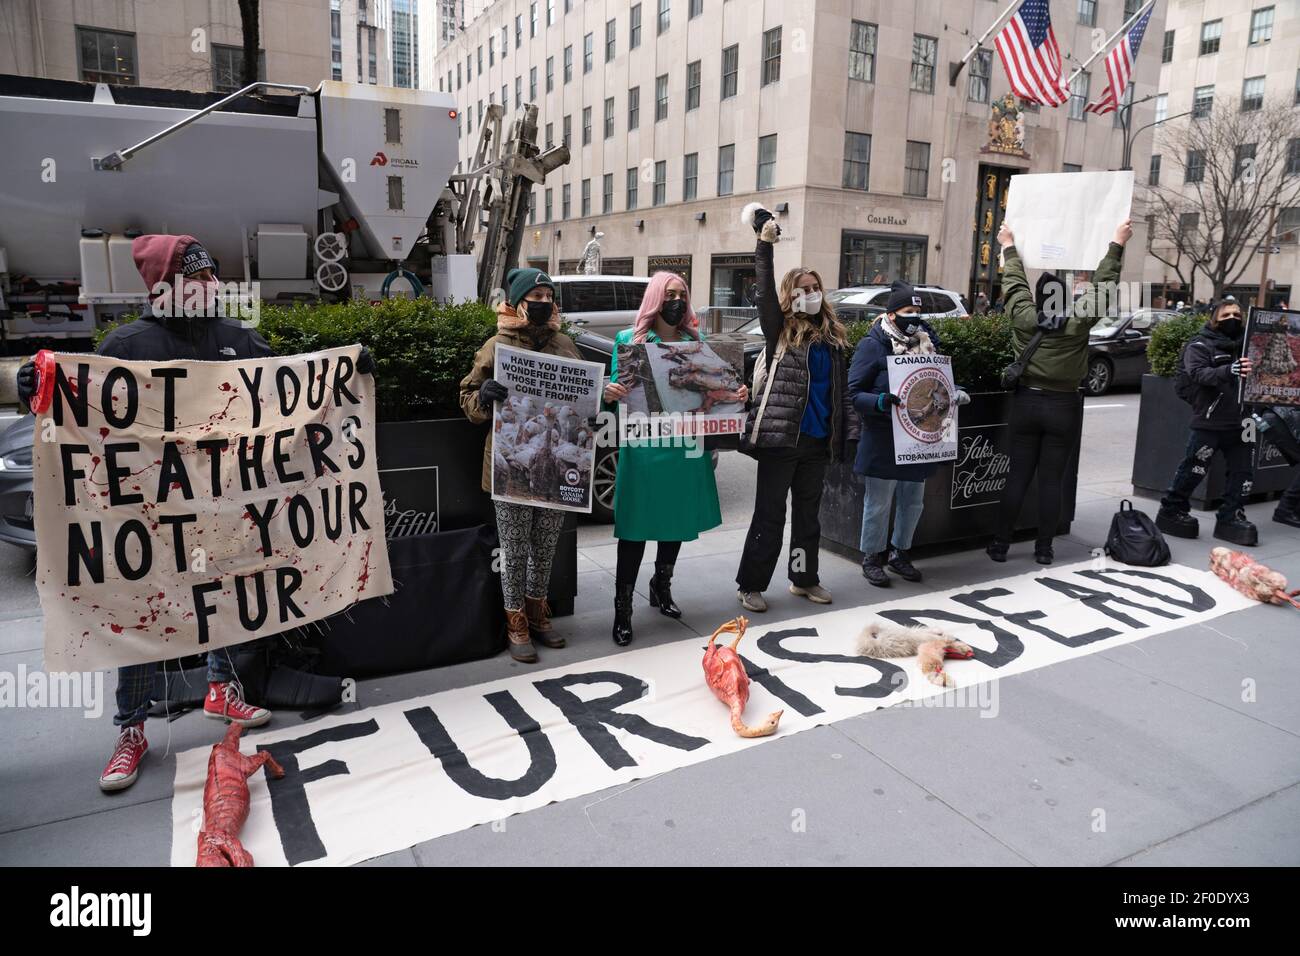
x=908 y=498
x=135 y=686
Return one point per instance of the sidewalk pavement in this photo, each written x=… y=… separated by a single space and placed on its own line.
x=1151 y=753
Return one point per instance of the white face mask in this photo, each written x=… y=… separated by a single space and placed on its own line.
x=809 y=303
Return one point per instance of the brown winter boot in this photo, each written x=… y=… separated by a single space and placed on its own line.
x=539 y=622
x=521 y=644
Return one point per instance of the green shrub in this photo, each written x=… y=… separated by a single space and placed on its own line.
x=1167 y=341
x=980 y=346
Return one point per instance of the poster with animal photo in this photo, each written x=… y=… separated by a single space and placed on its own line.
x=1273 y=347
x=925 y=423
x=682 y=389
x=543 y=445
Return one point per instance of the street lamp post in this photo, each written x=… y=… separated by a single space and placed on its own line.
x=1130 y=137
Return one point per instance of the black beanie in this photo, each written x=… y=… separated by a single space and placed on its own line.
x=901 y=295
x=195 y=258
x=1050 y=284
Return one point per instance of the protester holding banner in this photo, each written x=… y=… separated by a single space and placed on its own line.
x=1047 y=412
x=900 y=331
x=1208 y=379
x=528 y=319
x=801 y=418
x=664 y=491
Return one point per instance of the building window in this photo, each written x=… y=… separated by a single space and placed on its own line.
x=458 y=83
x=876 y=258
x=857 y=161
x=505 y=41
x=480 y=112
x=771 y=56
x=694 y=9
x=1079 y=96
x=532 y=206
x=1153 y=177
x=726 y=170
x=1131 y=7
x=981 y=70
x=106 y=57
x=634 y=107
x=690 y=176
x=661 y=183
x=609 y=117
x=480 y=59
x=519 y=30
x=567 y=126
x=1071 y=168
x=1252 y=94
x=924 y=51
x=1088 y=12
x=1244 y=159
x=336 y=44
x=566 y=193
x=1162 y=107
x=568 y=63
x=228 y=67
x=550 y=135
x=550 y=12
x=916 y=169
x=1293 y=157
x=862 y=51
x=1261 y=26
x=587 y=57
x=1288 y=222
x=1194 y=171
x=664 y=7
x=1202 y=102
x=1211 y=33
x=1188 y=223
x=1167 y=53
x=532 y=84
x=550 y=74
x=731 y=70
x=692 y=86
x=631 y=188
x=609 y=40
x=532 y=19
x=586 y=197
x=607 y=193
x=634 y=27
x=766 y=162
x=1296 y=101
x=492 y=51
x=519 y=92
x=1123 y=114
x=586 y=126
x=505 y=97
x=661 y=97
x=547 y=210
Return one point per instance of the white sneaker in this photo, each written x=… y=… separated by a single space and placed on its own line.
x=817 y=594
x=752 y=601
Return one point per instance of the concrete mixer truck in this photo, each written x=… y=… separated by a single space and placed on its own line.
x=342 y=191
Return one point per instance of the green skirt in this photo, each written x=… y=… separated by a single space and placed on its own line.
x=662 y=495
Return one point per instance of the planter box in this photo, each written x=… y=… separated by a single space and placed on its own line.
x=431 y=475
x=962 y=497
x=1163 y=425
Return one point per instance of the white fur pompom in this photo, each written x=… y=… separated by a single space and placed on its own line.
x=747 y=214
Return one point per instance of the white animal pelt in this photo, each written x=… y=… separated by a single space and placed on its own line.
x=771 y=232
x=884 y=639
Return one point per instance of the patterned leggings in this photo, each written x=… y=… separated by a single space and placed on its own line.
x=528 y=538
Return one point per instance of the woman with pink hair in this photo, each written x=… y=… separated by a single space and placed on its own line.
x=663 y=492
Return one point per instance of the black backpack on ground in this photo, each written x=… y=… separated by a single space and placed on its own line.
x=1134 y=538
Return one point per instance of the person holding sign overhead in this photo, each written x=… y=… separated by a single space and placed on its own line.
x=664 y=491
x=900 y=331
x=1050 y=335
x=528 y=319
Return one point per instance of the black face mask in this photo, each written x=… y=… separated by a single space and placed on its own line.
x=907 y=324
x=673 y=311
x=1230 y=327
x=539 y=313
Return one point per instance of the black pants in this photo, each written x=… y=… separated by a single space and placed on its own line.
x=1290 y=500
x=630 y=554
x=799 y=474
x=1202 y=445
x=1043 y=426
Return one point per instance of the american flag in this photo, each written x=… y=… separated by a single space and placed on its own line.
x=1031 y=56
x=1119 y=66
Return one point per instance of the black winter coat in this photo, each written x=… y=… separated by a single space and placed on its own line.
x=868 y=379
x=1207 y=359
x=153 y=339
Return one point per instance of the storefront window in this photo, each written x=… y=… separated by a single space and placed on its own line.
x=732 y=280
x=868 y=258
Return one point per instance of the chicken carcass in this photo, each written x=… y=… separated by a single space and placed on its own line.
x=1251 y=578
x=724 y=672
x=225 y=801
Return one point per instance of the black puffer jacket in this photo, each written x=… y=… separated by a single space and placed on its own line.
x=1207 y=360
x=154 y=339
x=781 y=380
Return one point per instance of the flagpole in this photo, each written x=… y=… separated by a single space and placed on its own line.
x=954 y=69
x=1105 y=48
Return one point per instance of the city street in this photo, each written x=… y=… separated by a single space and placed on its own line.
x=1180 y=748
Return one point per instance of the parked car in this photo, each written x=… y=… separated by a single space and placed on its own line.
x=600 y=348
x=601 y=304
x=16 y=483
x=864 y=303
x=1117 y=349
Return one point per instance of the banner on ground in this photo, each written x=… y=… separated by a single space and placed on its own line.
x=543 y=445
x=186 y=506
x=1273 y=347
x=925 y=424
x=681 y=389
x=384 y=778
x=1067 y=220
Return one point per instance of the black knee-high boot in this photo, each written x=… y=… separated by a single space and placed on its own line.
x=661 y=595
x=622 y=632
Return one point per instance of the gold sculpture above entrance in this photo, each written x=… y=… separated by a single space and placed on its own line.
x=1006 y=128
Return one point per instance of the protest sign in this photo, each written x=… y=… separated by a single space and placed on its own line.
x=681 y=389
x=543 y=445
x=925 y=424
x=1067 y=220
x=186 y=506
x=1273 y=347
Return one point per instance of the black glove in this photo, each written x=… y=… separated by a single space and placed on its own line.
x=491 y=391
x=1050 y=323
x=887 y=398
x=760 y=217
x=366 y=362
x=27 y=382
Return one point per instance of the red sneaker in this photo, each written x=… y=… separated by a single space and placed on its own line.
x=124 y=766
x=226 y=702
